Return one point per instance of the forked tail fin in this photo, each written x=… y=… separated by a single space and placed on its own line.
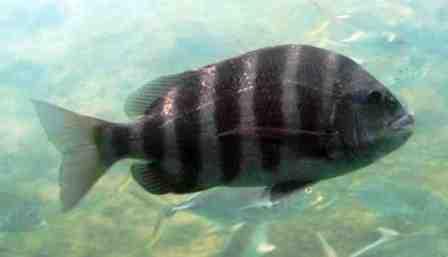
x=79 y=139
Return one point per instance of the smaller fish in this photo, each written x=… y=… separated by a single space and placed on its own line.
x=386 y=235
x=421 y=243
x=343 y=17
x=20 y=215
x=329 y=13
x=249 y=210
x=248 y=240
x=390 y=36
x=320 y=29
x=327 y=248
x=358 y=35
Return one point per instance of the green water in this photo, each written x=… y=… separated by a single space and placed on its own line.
x=89 y=55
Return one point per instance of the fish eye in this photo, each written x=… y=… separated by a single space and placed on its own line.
x=391 y=103
x=374 y=97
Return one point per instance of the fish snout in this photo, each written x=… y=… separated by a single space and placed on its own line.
x=405 y=123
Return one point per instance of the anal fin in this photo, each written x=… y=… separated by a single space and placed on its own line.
x=151 y=177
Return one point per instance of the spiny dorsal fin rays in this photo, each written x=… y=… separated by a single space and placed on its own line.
x=143 y=98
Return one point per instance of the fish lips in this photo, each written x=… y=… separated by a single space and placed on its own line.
x=403 y=124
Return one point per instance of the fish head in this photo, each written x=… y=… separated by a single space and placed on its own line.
x=371 y=121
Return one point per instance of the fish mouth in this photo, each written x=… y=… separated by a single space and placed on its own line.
x=405 y=123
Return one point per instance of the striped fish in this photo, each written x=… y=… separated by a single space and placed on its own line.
x=281 y=117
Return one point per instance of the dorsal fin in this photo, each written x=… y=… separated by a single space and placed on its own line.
x=140 y=101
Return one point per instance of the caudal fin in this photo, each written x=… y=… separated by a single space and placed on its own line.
x=78 y=138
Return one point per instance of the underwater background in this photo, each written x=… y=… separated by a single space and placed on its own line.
x=88 y=56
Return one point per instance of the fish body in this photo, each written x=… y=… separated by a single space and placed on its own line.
x=244 y=214
x=230 y=206
x=282 y=117
x=20 y=215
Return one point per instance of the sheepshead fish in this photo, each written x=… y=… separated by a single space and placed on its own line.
x=282 y=117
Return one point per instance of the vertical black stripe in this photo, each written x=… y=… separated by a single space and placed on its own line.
x=188 y=130
x=310 y=75
x=228 y=116
x=331 y=86
x=268 y=103
x=344 y=114
x=209 y=141
x=120 y=135
x=290 y=99
x=345 y=69
x=153 y=138
x=113 y=142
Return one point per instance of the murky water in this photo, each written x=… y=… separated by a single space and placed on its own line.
x=89 y=55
